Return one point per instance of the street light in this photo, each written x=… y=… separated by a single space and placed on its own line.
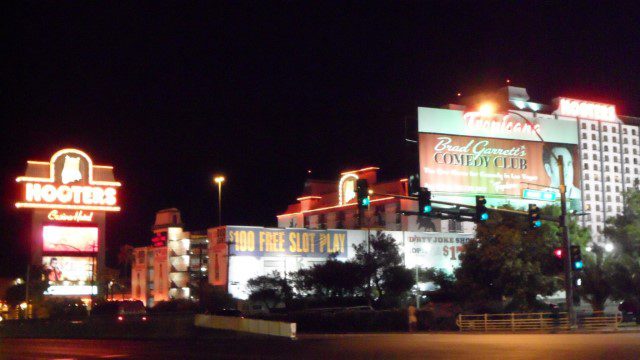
x=219 y=180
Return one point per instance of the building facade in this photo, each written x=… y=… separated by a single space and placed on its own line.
x=175 y=266
x=333 y=205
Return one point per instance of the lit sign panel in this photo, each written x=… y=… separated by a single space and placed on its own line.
x=77 y=216
x=514 y=125
x=277 y=242
x=504 y=123
x=68 y=270
x=586 y=110
x=69 y=239
x=500 y=167
x=70 y=184
x=434 y=250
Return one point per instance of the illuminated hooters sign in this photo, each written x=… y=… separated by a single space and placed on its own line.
x=69 y=181
x=586 y=110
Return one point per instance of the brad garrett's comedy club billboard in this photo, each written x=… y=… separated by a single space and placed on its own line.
x=496 y=155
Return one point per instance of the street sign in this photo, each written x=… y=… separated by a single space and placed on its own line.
x=538 y=195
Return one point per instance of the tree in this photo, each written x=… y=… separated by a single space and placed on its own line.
x=597 y=279
x=382 y=264
x=508 y=260
x=624 y=233
x=125 y=260
x=271 y=290
x=16 y=294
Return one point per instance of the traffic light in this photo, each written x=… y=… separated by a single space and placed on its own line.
x=559 y=253
x=482 y=214
x=534 y=216
x=362 y=190
x=558 y=260
x=576 y=258
x=424 y=201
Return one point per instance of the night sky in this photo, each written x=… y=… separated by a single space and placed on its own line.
x=263 y=91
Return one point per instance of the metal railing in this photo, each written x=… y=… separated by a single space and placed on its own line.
x=544 y=321
x=600 y=321
x=513 y=322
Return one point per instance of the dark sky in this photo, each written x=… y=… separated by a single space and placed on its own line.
x=262 y=91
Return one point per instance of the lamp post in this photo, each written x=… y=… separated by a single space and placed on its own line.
x=219 y=180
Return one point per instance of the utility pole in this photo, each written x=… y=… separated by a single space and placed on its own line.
x=26 y=295
x=568 y=283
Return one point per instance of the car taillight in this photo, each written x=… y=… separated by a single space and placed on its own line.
x=144 y=318
x=120 y=318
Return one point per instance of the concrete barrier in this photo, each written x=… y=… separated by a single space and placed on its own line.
x=255 y=326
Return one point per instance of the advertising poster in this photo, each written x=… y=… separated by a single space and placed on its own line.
x=275 y=242
x=486 y=166
x=69 y=239
x=434 y=250
x=69 y=269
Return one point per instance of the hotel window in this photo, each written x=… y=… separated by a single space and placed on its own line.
x=593 y=126
x=606 y=138
x=586 y=186
x=624 y=131
x=614 y=139
x=598 y=199
x=633 y=131
x=586 y=166
x=584 y=126
x=606 y=148
x=588 y=197
x=584 y=136
x=597 y=187
x=593 y=136
x=615 y=130
x=595 y=166
x=595 y=157
x=584 y=146
x=594 y=147
x=608 y=188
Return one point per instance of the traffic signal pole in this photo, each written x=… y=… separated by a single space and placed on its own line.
x=568 y=281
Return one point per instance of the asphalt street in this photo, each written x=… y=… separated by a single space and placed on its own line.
x=352 y=346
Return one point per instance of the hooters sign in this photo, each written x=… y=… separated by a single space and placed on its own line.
x=71 y=181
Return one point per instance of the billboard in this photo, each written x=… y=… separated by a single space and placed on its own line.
x=68 y=270
x=497 y=155
x=69 y=238
x=434 y=250
x=276 y=242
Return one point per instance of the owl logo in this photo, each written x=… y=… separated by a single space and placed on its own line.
x=71 y=170
x=349 y=191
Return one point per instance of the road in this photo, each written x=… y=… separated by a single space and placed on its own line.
x=354 y=346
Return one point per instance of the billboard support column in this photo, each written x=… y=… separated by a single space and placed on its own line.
x=568 y=283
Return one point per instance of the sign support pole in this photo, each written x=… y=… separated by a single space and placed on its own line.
x=568 y=283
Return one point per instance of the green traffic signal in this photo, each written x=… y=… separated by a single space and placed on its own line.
x=424 y=201
x=482 y=213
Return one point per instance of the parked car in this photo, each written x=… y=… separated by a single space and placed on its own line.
x=121 y=311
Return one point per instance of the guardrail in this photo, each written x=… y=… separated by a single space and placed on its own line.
x=256 y=326
x=513 y=322
x=600 y=321
x=544 y=321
